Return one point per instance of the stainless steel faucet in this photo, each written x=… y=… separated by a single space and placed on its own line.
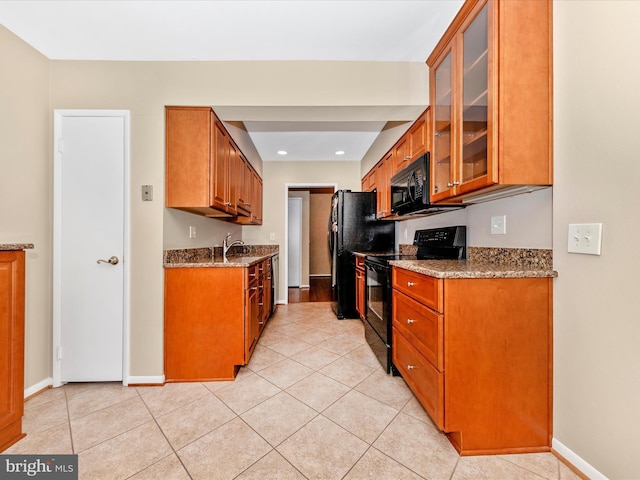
x=226 y=245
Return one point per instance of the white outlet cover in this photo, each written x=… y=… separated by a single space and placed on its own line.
x=499 y=225
x=585 y=238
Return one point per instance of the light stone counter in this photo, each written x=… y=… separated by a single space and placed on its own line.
x=472 y=269
x=8 y=247
x=241 y=256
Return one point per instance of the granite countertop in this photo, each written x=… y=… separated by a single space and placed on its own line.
x=8 y=247
x=482 y=262
x=473 y=269
x=241 y=256
x=232 y=261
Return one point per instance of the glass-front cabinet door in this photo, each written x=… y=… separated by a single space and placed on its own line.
x=474 y=145
x=441 y=165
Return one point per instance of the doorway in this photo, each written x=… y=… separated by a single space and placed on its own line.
x=315 y=268
x=91 y=238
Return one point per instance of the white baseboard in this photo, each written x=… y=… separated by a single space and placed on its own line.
x=143 y=380
x=577 y=461
x=41 y=385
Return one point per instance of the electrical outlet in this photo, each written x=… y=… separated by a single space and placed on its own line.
x=147 y=193
x=272 y=236
x=192 y=231
x=585 y=238
x=499 y=225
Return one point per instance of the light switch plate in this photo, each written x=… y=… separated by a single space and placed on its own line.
x=499 y=225
x=585 y=238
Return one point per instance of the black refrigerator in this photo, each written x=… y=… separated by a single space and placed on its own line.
x=353 y=228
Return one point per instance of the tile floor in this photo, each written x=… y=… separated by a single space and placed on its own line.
x=313 y=403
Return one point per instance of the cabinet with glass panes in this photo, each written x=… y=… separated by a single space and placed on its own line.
x=490 y=89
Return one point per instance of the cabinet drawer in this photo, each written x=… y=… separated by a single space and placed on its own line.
x=252 y=274
x=424 y=380
x=425 y=289
x=422 y=326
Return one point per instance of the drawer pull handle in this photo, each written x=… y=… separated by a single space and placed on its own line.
x=410 y=321
x=410 y=284
x=411 y=367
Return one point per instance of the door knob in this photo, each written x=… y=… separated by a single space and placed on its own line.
x=113 y=260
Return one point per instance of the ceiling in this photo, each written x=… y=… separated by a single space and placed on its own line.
x=325 y=30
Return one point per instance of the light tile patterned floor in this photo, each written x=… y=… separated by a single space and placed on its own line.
x=313 y=403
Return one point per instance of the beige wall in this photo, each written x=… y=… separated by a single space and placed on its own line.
x=26 y=187
x=277 y=175
x=32 y=86
x=597 y=170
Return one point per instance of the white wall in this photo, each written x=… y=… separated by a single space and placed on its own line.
x=529 y=222
x=597 y=172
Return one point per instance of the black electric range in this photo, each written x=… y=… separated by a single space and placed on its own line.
x=447 y=243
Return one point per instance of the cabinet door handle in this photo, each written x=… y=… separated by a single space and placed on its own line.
x=411 y=367
x=449 y=184
x=410 y=321
x=410 y=284
x=253 y=288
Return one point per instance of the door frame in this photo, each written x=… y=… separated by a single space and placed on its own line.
x=285 y=258
x=58 y=116
x=294 y=231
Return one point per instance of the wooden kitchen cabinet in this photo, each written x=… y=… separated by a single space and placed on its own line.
x=491 y=98
x=477 y=353
x=412 y=144
x=254 y=206
x=368 y=181
x=408 y=148
x=383 y=186
x=206 y=173
x=12 y=285
x=213 y=319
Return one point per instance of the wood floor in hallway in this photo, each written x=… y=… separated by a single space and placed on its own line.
x=319 y=291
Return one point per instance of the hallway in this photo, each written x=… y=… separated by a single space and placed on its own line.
x=313 y=403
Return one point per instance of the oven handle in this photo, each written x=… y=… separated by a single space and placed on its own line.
x=376 y=267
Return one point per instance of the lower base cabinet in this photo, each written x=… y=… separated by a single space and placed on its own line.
x=12 y=278
x=478 y=358
x=213 y=320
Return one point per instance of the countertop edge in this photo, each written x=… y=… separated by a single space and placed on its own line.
x=466 y=269
x=12 y=247
x=234 y=262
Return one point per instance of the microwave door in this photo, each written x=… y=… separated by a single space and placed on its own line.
x=411 y=191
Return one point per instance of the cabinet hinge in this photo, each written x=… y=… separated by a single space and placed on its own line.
x=59 y=353
x=60 y=145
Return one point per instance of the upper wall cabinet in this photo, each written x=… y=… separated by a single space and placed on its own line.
x=409 y=147
x=491 y=98
x=206 y=173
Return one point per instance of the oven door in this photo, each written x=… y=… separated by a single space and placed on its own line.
x=378 y=318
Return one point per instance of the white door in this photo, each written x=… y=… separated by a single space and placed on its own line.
x=91 y=156
x=295 y=241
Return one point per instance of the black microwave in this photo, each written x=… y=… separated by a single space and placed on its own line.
x=410 y=187
x=410 y=190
